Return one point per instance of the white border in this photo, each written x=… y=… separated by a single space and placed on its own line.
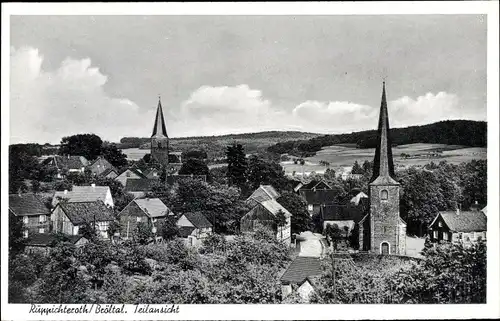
x=281 y=312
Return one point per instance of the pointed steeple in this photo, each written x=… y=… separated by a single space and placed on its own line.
x=159 y=129
x=383 y=166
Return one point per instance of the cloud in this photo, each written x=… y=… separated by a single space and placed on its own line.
x=47 y=105
x=221 y=110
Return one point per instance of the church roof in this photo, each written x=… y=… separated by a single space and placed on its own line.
x=159 y=128
x=383 y=165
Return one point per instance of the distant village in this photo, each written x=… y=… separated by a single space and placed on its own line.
x=369 y=219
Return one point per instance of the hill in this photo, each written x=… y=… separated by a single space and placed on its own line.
x=451 y=132
x=215 y=146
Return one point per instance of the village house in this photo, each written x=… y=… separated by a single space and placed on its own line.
x=139 y=187
x=68 y=218
x=42 y=243
x=344 y=216
x=67 y=164
x=172 y=179
x=129 y=173
x=263 y=193
x=459 y=227
x=110 y=173
x=100 y=165
x=312 y=185
x=317 y=198
x=33 y=212
x=152 y=173
x=194 y=228
x=85 y=194
x=151 y=211
x=265 y=214
x=300 y=277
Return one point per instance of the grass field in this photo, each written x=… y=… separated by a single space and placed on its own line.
x=419 y=154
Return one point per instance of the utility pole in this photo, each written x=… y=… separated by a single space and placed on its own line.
x=334 y=278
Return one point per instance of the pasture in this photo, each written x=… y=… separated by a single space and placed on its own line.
x=414 y=154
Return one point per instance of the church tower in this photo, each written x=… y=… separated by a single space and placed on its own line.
x=387 y=229
x=159 y=138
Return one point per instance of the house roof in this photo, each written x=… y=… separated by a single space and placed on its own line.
x=139 y=184
x=134 y=170
x=172 y=179
x=264 y=193
x=356 y=199
x=153 y=207
x=70 y=162
x=485 y=211
x=198 y=220
x=302 y=268
x=185 y=231
x=86 y=212
x=27 y=204
x=83 y=194
x=274 y=207
x=473 y=221
x=317 y=197
x=38 y=239
x=336 y=212
x=108 y=171
x=314 y=183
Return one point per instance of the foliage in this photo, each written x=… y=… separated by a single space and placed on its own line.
x=301 y=220
x=143 y=233
x=452 y=132
x=194 y=166
x=261 y=172
x=114 y=155
x=16 y=240
x=356 y=169
x=334 y=235
x=197 y=154
x=168 y=229
x=86 y=145
x=236 y=165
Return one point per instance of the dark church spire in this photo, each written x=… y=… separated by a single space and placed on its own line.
x=159 y=128
x=383 y=166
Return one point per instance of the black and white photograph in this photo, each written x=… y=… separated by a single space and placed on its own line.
x=154 y=161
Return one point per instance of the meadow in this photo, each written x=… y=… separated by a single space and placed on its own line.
x=414 y=154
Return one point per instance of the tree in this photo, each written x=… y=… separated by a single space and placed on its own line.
x=16 y=240
x=143 y=233
x=260 y=172
x=236 y=165
x=356 y=169
x=114 y=155
x=301 y=220
x=197 y=154
x=194 y=166
x=280 y=222
x=168 y=229
x=333 y=234
x=87 y=145
x=113 y=228
x=88 y=231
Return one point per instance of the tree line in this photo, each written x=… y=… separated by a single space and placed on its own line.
x=451 y=132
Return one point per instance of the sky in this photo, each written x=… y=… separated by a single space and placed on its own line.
x=238 y=74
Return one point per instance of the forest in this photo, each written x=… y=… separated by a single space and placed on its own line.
x=451 y=132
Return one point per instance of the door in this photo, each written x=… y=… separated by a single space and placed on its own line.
x=384 y=248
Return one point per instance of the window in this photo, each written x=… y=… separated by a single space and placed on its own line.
x=384 y=195
x=25 y=220
x=98 y=165
x=459 y=236
x=310 y=207
x=127 y=174
x=153 y=230
x=445 y=236
x=139 y=219
x=154 y=220
x=25 y=233
x=440 y=224
x=42 y=218
x=435 y=234
x=41 y=230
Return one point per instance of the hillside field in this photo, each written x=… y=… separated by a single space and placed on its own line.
x=419 y=154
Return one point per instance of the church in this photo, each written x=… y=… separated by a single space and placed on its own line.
x=160 y=145
x=381 y=230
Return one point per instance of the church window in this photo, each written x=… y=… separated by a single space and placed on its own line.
x=384 y=195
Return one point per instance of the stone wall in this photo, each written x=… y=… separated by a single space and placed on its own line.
x=384 y=218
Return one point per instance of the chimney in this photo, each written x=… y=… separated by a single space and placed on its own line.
x=93 y=185
x=65 y=191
